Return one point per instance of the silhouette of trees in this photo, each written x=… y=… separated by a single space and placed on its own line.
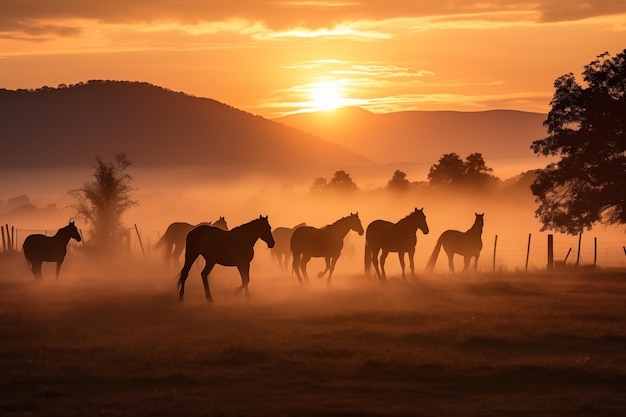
x=103 y=201
x=451 y=170
x=587 y=129
x=398 y=183
x=341 y=182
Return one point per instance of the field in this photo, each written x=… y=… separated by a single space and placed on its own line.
x=114 y=341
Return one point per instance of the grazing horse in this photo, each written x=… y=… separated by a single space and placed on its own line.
x=467 y=244
x=393 y=237
x=174 y=237
x=281 y=252
x=229 y=248
x=327 y=242
x=40 y=248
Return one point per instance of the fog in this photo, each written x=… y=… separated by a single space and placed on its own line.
x=196 y=195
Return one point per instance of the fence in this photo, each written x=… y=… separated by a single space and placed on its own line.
x=500 y=253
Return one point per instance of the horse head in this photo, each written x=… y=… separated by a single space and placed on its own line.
x=355 y=223
x=421 y=220
x=221 y=223
x=479 y=221
x=72 y=231
x=265 y=232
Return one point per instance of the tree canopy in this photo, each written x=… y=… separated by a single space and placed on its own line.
x=453 y=171
x=587 y=130
x=341 y=182
x=103 y=201
x=398 y=183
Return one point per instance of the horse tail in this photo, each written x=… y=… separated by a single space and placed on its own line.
x=161 y=241
x=433 y=257
x=368 y=258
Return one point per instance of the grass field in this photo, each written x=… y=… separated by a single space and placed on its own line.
x=116 y=342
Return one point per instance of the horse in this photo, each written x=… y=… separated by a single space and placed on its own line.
x=467 y=244
x=393 y=237
x=281 y=251
x=175 y=234
x=327 y=242
x=40 y=248
x=229 y=248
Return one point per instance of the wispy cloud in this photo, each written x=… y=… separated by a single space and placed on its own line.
x=275 y=19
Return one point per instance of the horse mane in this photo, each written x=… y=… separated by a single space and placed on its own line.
x=248 y=223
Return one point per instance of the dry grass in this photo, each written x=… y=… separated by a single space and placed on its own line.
x=114 y=341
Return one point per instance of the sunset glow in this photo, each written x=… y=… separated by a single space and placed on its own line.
x=280 y=57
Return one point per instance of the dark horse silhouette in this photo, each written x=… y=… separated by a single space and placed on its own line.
x=230 y=248
x=174 y=237
x=40 y=248
x=281 y=251
x=327 y=242
x=467 y=244
x=393 y=237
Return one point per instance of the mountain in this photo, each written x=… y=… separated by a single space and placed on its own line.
x=424 y=136
x=153 y=126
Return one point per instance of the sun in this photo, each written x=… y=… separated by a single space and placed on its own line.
x=326 y=95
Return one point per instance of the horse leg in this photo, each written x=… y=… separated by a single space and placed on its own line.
x=205 y=280
x=305 y=260
x=244 y=271
x=401 y=258
x=36 y=268
x=333 y=262
x=321 y=274
x=451 y=260
x=295 y=266
x=184 y=273
x=466 y=262
x=178 y=249
x=58 y=268
x=383 y=259
x=476 y=262
x=286 y=261
x=375 y=253
x=412 y=262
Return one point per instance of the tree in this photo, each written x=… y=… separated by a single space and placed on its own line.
x=340 y=182
x=398 y=183
x=587 y=130
x=452 y=170
x=320 y=184
x=103 y=201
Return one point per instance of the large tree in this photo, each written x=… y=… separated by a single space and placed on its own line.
x=451 y=170
x=103 y=201
x=587 y=130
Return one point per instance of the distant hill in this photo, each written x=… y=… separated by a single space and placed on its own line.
x=424 y=136
x=68 y=126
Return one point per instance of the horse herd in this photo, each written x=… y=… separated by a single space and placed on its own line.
x=219 y=245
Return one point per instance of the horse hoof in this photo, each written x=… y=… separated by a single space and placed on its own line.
x=238 y=290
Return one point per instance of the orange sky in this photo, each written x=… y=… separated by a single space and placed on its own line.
x=272 y=57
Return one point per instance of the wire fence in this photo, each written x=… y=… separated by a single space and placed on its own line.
x=500 y=253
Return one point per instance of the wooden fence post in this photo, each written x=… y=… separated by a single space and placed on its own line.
x=140 y=242
x=495 y=246
x=9 y=244
x=580 y=237
x=550 y=252
x=527 y=252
